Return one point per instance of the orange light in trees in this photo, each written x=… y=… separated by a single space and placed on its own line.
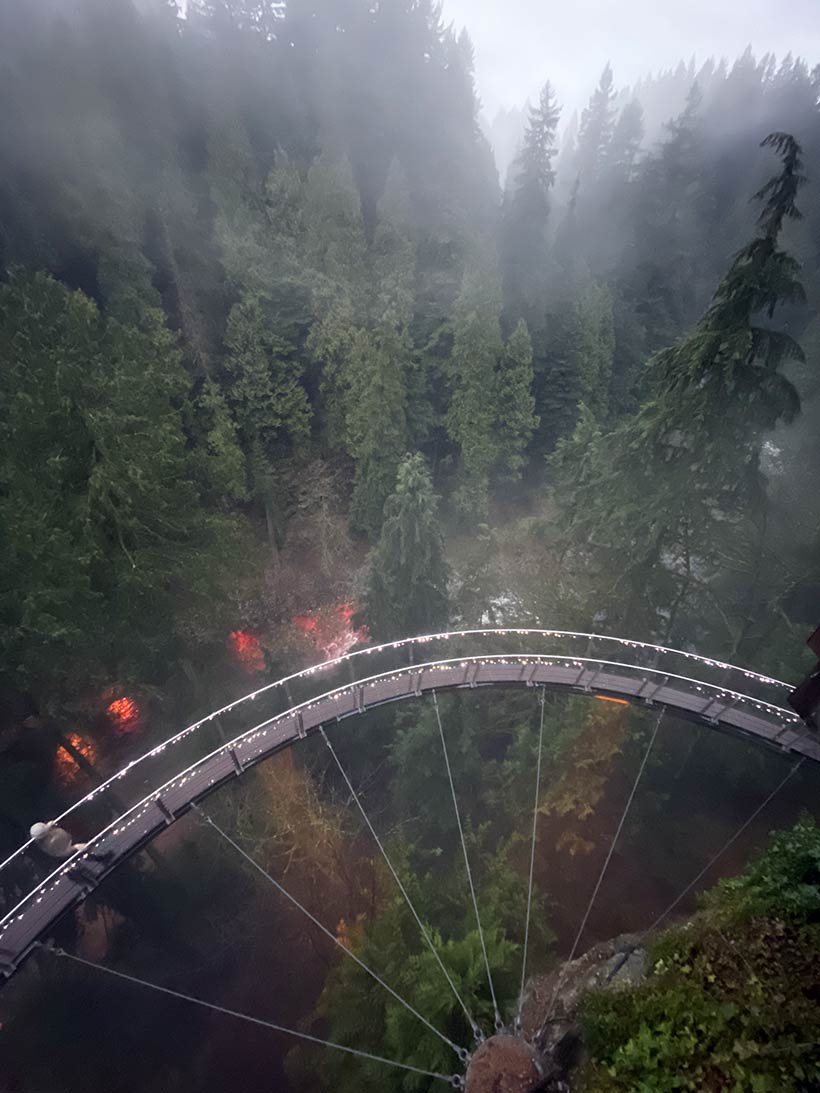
x=330 y=629
x=124 y=714
x=248 y=651
x=66 y=768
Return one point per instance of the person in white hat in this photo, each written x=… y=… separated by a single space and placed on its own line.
x=57 y=843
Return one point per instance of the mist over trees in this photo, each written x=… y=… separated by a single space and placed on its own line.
x=277 y=330
x=297 y=208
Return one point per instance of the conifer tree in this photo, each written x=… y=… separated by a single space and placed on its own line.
x=407 y=589
x=238 y=194
x=595 y=133
x=376 y=425
x=516 y=420
x=622 y=154
x=221 y=442
x=269 y=401
x=477 y=347
x=596 y=332
x=100 y=493
x=670 y=213
x=558 y=391
x=393 y=252
x=525 y=256
x=334 y=251
x=662 y=495
x=379 y=360
x=335 y=242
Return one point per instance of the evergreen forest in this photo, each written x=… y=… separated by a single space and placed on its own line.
x=299 y=351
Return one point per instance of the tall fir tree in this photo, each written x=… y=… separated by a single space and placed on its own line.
x=335 y=248
x=106 y=537
x=270 y=405
x=558 y=388
x=407 y=588
x=477 y=347
x=525 y=219
x=595 y=133
x=625 y=146
x=597 y=345
x=670 y=213
x=376 y=423
x=335 y=243
x=661 y=496
x=516 y=419
x=266 y=390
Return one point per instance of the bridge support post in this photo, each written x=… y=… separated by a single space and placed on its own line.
x=650 y=695
x=165 y=810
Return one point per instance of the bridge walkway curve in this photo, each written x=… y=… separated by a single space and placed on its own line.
x=707 y=701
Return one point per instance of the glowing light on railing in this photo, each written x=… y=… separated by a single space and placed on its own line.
x=772 y=709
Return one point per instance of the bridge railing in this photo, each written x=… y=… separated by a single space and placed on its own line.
x=24 y=869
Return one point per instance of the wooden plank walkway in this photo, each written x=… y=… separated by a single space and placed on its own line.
x=703 y=703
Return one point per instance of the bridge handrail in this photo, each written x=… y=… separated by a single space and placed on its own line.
x=180 y=777
x=324 y=666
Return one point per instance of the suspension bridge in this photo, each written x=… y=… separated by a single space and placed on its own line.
x=128 y=810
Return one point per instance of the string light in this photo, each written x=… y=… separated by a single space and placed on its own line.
x=786 y=720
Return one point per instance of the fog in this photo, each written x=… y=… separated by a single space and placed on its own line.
x=520 y=43
x=328 y=323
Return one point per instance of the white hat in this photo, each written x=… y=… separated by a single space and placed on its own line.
x=38 y=830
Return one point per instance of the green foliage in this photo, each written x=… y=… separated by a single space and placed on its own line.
x=425 y=849
x=393 y=252
x=558 y=382
x=269 y=401
x=731 y=999
x=784 y=881
x=361 y=1014
x=471 y=416
x=660 y=495
x=596 y=346
x=221 y=443
x=334 y=230
x=376 y=426
x=407 y=591
x=105 y=537
x=624 y=149
x=524 y=233
x=595 y=134
x=516 y=419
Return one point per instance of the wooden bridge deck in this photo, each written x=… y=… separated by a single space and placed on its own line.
x=705 y=703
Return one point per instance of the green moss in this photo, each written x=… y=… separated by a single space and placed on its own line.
x=733 y=999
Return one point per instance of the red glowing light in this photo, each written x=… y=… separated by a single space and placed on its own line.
x=606 y=698
x=66 y=767
x=124 y=714
x=330 y=629
x=248 y=651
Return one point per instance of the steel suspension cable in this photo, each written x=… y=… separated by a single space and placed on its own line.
x=560 y=979
x=460 y=1052
x=498 y=1020
x=792 y=771
x=532 y=862
x=477 y=1032
x=453 y=1080
x=712 y=861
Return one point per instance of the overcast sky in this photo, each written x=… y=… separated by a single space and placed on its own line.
x=520 y=43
